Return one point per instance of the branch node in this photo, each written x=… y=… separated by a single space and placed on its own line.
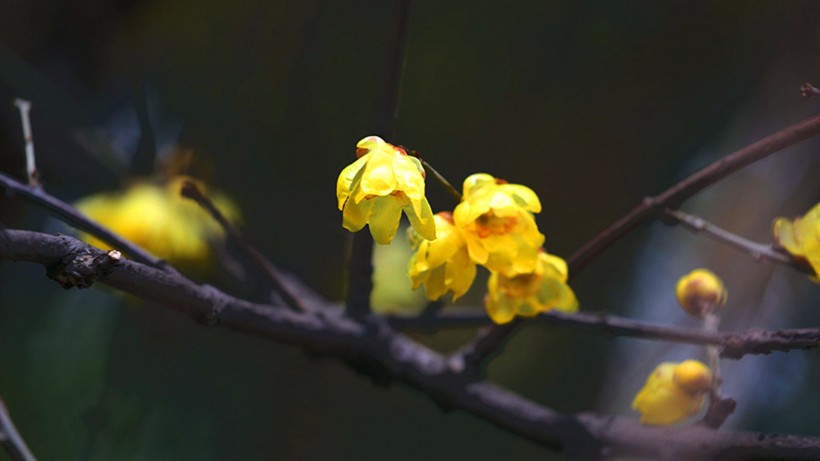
x=82 y=267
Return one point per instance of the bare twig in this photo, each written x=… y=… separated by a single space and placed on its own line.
x=74 y=218
x=326 y=330
x=757 y=251
x=31 y=168
x=190 y=190
x=10 y=439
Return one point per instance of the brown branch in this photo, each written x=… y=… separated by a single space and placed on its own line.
x=651 y=207
x=74 y=218
x=675 y=195
x=277 y=282
x=758 y=251
x=377 y=350
x=732 y=345
x=10 y=439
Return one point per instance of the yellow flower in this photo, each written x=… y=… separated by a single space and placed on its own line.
x=157 y=218
x=496 y=220
x=700 y=292
x=378 y=186
x=801 y=237
x=442 y=264
x=673 y=392
x=529 y=294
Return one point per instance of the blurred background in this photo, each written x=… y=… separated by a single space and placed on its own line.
x=593 y=104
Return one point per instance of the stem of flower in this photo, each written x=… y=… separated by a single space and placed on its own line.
x=441 y=179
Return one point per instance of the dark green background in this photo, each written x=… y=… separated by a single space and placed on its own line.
x=593 y=104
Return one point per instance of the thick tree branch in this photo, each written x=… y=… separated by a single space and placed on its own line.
x=10 y=439
x=375 y=349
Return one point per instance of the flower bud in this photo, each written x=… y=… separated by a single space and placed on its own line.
x=693 y=376
x=700 y=292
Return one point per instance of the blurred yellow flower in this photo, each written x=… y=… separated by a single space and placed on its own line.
x=700 y=292
x=497 y=222
x=801 y=237
x=529 y=294
x=378 y=186
x=157 y=218
x=443 y=264
x=673 y=392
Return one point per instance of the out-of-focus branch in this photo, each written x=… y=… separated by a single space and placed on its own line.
x=10 y=439
x=74 y=218
x=191 y=191
x=758 y=251
x=375 y=349
x=31 y=166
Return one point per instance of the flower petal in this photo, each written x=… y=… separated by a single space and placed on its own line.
x=384 y=219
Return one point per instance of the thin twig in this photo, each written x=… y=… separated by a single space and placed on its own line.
x=74 y=218
x=31 y=168
x=191 y=190
x=10 y=439
x=325 y=330
x=758 y=251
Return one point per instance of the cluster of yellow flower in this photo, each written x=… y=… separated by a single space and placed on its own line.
x=492 y=226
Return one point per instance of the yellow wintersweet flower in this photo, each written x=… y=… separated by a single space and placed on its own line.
x=700 y=292
x=157 y=218
x=801 y=237
x=442 y=264
x=673 y=392
x=497 y=222
x=529 y=294
x=378 y=186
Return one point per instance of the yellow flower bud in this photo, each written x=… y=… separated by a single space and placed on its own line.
x=801 y=237
x=693 y=376
x=673 y=392
x=700 y=292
